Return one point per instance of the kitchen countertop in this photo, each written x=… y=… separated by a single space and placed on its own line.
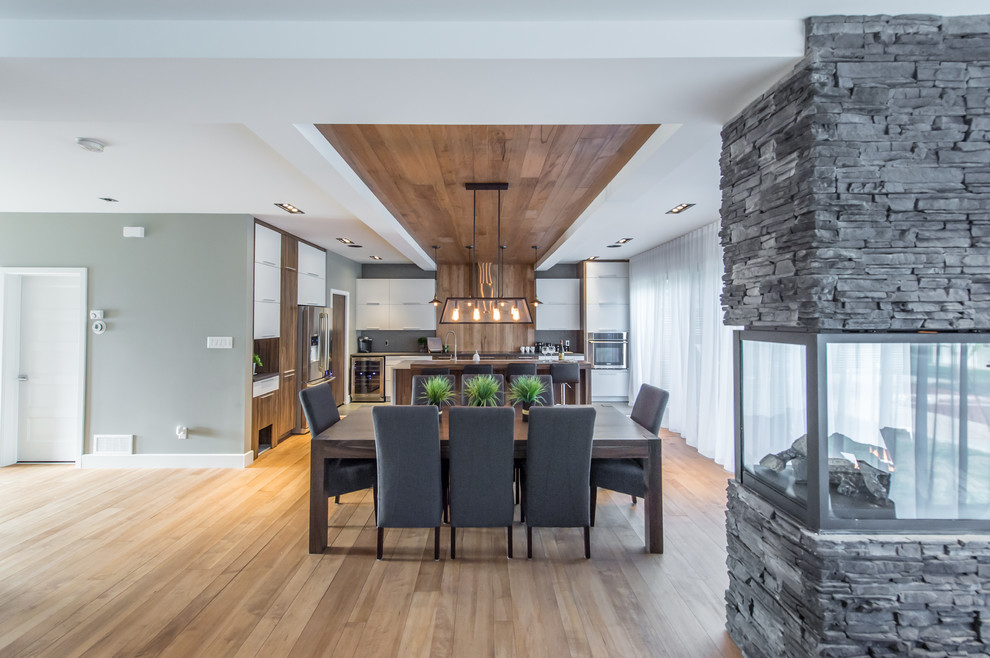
x=264 y=375
x=463 y=356
x=497 y=362
x=422 y=354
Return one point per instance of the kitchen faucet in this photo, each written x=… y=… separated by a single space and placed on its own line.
x=455 y=342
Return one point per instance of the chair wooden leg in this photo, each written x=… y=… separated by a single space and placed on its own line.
x=453 y=543
x=381 y=542
x=593 y=500
x=374 y=500
x=529 y=543
x=587 y=542
x=508 y=530
x=336 y=500
x=634 y=500
x=436 y=544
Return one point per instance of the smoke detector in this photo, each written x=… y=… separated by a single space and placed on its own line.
x=94 y=145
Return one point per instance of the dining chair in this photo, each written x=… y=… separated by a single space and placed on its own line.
x=419 y=387
x=481 y=450
x=558 y=467
x=545 y=400
x=628 y=475
x=434 y=371
x=478 y=369
x=517 y=369
x=342 y=475
x=498 y=378
x=407 y=445
x=565 y=374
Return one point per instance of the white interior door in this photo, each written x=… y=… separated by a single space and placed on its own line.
x=48 y=395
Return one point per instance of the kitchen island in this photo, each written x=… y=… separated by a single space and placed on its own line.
x=402 y=376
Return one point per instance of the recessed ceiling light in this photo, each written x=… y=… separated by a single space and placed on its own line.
x=345 y=240
x=376 y=258
x=92 y=145
x=108 y=199
x=288 y=207
x=592 y=257
x=679 y=208
x=622 y=240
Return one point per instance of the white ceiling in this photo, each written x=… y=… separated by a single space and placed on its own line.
x=208 y=107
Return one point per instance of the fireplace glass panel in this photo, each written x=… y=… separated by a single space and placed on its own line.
x=775 y=416
x=908 y=430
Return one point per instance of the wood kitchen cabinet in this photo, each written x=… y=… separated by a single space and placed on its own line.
x=288 y=347
x=263 y=411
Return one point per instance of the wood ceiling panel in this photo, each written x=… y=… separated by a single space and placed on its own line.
x=419 y=172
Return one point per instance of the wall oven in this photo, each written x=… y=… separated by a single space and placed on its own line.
x=367 y=378
x=608 y=350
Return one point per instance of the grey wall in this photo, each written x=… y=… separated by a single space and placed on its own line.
x=856 y=193
x=190 y=277
x=342 y=274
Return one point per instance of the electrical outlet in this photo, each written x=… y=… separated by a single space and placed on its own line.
x=182 y=432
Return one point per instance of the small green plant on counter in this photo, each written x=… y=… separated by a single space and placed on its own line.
x=482 y=391
x=527 y=389
x=257 y=360
x=438 y=391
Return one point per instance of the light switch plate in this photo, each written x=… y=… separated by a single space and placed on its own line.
x=219 y=342
x=95 y=315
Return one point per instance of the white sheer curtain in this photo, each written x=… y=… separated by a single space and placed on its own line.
x=677 y=340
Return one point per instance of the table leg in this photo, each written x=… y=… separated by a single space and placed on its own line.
x=654 y=499
x=317 y=501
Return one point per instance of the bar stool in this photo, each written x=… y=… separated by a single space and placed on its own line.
x=478 y=369
x=566 y=374
x=513 y=370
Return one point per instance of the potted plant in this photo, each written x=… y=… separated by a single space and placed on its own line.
x=438 y=391
x=422 y=343
x=482 y=391
x=255 y=364
x=527 y=390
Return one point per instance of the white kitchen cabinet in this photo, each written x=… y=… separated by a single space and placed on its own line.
x=609 y=385
x=607 y=270
x=267 y=283
x=611 y=318
x=267 y=246
x=558 y=317
x=559 y=291
x=372 y=291
x=607 y=291
x=391 y=363
x=372 y=316
x=267 y=317
x=312 y=261
x=410 y=291
x=412 y=316
x=312 y=290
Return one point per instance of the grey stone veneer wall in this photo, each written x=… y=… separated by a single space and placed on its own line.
x=796 y=593
x=856 y=192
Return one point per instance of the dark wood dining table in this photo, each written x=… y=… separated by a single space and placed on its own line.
x=615 y=435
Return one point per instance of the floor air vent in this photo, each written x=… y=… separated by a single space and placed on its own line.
x=113 y=444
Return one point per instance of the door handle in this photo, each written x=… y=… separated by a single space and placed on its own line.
x=22 y=378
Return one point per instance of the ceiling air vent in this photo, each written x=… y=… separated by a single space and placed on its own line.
x=113 y=444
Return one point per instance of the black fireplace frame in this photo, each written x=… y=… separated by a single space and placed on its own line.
x=815 y=515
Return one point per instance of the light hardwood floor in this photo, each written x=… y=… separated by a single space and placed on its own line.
x=215 y=563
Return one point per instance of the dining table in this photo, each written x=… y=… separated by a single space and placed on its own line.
x=615 y=436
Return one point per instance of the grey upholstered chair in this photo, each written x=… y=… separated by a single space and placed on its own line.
x=498 y=378
x=342 y=475
x=419 y=384
x=407 y=444
x=565 y=374
x=481 y=448
x=478 y=369
x=434 y=371
x=628 y=475
x=517 y=369
x=558 y=466
x=545 y=400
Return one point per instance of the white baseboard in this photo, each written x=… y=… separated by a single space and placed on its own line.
x=167 y=461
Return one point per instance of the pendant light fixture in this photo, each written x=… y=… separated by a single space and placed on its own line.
x=436 y=274
x=479 y=309
x=536 y=259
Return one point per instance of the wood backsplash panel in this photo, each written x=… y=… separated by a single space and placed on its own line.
x=517 y=281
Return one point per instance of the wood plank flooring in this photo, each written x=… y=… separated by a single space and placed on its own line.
x=214 y=562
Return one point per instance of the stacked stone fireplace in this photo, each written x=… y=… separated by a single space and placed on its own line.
x=856 y=198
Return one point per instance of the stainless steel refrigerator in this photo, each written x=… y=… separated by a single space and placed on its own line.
x=315 y=349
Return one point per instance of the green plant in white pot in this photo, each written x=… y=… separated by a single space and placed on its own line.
x=527 y=390
x=482 y=391
x=438 y=391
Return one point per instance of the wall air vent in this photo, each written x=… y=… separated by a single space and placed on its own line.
x=113 y=444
